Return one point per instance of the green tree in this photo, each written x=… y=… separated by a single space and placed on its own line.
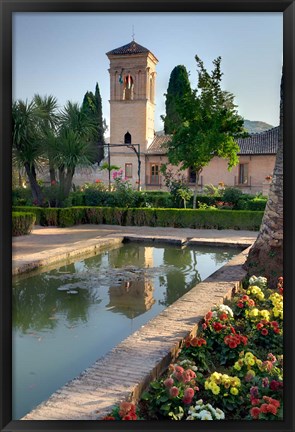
x=72 y=146
x=178 y=88
x=209 y=125
x=92 y=106
x=266 y=255
x=27 y=137
x=46 y=108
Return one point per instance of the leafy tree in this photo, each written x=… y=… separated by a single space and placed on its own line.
x=178 y=88
x=72 y=146
x=46 y=108
x=209 y=125
x=92 y=106
x=266 y=255
x=27 y=143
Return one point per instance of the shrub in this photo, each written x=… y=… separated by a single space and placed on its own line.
x=94 y=215
x=49 y=216
x=72 y=216
x=95 y=197
x=139 y=217
x=37 y=211
x=257 y=204
x=22 y=223
x=22 y=197
x=76 y=198
x=231 y=195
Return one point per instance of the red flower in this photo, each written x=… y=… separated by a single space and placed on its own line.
x=209 y=315
x=264 y=408
x=232 y=344
x=251 y=303
x=276 y=330
x=255 y=411
x=109 y=418
x=272 y=409
x=264 y=331
x=194 y=342
x=274 y=323
x=255 y=401
x=240 y=304
x=223 y=316
x=275 y=385
x=217 y=326
x=204 y=325
x=53 y=182
x=259 y=326
x=187 y=400
x=244 y=339
x=272 y=401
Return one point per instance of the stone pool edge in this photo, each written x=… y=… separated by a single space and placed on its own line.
x=126 y=370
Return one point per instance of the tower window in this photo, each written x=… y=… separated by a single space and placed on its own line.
x=127 y=138
x=128 y=87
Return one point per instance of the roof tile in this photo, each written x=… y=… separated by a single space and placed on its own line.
x=258 y=143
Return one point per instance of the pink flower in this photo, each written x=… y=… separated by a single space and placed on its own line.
x=187 y=400
x=189 y=393
x=174 y=391
x=168 y=382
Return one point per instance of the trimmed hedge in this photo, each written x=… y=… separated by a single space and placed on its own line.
x=178 y=218
x=22 y=223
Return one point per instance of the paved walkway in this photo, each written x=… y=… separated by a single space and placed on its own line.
x=47 y=245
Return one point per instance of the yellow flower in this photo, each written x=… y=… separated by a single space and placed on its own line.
x=234 y=391
x=237 y=366
x=216 y=390
x=251 y=362
x=236 y=382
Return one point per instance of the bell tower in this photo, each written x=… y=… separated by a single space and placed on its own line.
x=132 y=103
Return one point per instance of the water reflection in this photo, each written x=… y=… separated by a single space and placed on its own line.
x=67 y=318
x=132 y=298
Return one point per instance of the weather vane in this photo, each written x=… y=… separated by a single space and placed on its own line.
x=133 y=32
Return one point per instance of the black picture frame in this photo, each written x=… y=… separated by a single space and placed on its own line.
x=7 y=8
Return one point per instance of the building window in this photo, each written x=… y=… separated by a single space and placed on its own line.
x=192 y=175
x=127 y=138
x=128 y=170
x=155 y=174
x=243 y=173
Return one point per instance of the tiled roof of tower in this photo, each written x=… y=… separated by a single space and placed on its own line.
x=129 y=49
x=258 y=143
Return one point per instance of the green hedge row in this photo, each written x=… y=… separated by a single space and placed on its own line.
x=22 y=223
x=179 y=218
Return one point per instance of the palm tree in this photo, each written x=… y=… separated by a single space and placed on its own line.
x=266 y=255
x=46 y=108
x=27 y=143
x=72 y=146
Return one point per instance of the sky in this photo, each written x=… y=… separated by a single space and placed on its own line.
x=64 y=54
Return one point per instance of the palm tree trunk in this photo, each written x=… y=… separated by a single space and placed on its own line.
x=266 y=255
x=35 y=188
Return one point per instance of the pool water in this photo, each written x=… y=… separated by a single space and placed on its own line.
x=67 y=318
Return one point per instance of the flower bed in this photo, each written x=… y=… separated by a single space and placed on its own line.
x=231 y=369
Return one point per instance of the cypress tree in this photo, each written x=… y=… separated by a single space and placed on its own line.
x=178 y=88
x=92 y=106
